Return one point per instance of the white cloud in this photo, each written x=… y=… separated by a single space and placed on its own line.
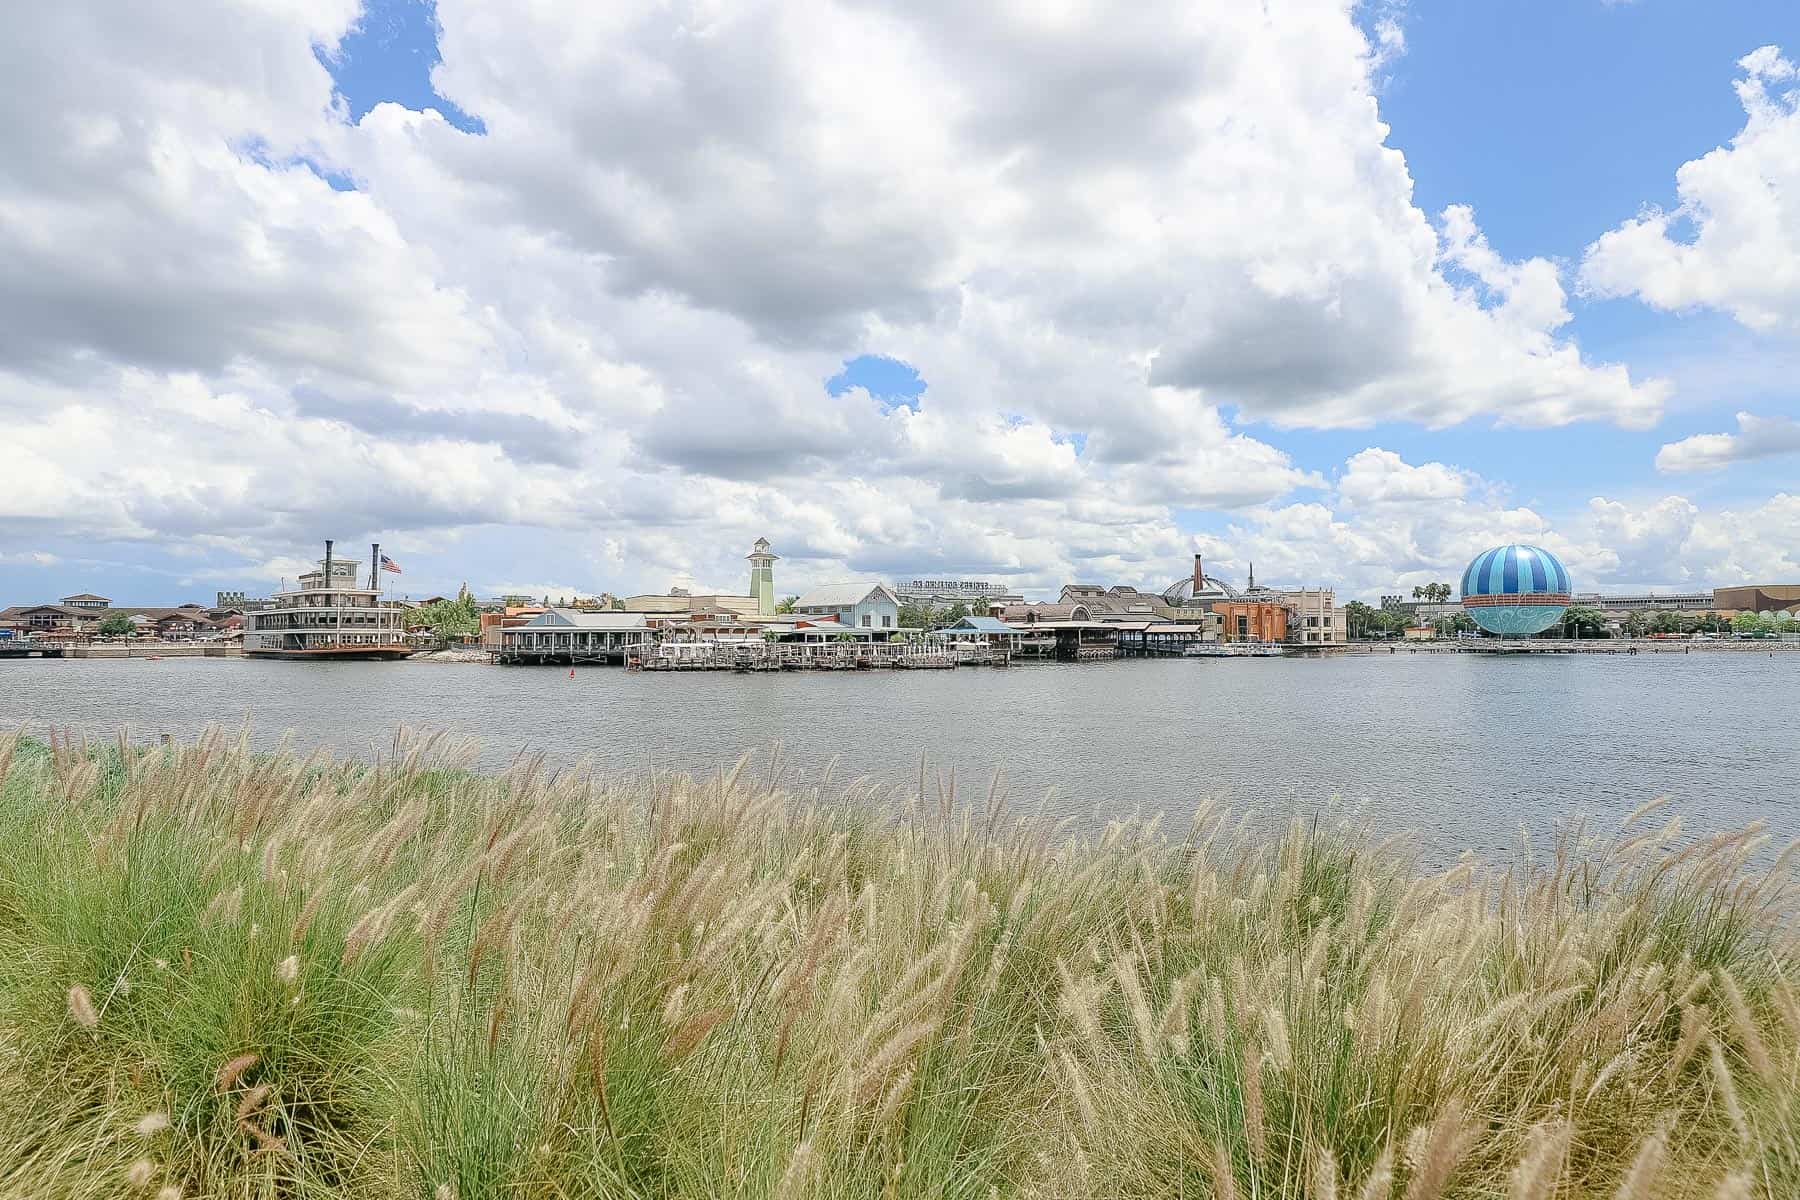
x=1733 y=241
x=606 y=322
x=1757 y=437
x=1389 y=525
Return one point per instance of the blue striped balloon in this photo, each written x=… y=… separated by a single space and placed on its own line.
x=1515 y=590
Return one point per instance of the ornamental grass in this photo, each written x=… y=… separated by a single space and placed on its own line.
x=230 y=973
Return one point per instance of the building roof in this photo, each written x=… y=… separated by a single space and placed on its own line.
x=982 y=625
x=680 y=602
x=86 y=596
x=575 y=618
x=1015 y=613
x=184 y=612
x=1183 y=592
x=844 y=595
x=64 y=609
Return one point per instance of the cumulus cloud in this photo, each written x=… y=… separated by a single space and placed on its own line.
x=1111 y=242
x=1757 y=437
x=1732 y=242
x=1388 y=525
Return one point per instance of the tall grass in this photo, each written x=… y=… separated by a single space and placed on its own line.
x=234 y=974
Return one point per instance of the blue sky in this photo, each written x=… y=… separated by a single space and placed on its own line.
x=632 y=297
x=1554 y=120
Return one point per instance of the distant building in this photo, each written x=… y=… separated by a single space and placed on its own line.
x=567 y=635
x=1195 y=592
x=680 y=600
x=86 y=600
x=240 y=602
x=990 y=630
x=1033 y=614
x=1648 y=601
x=1114 y=604
x=1767 y=597
x=1314 y=619
x=865 y=604
x=509 y=616
x=762 y=577
x=978 y=594
x=50 y=618
x=1251 y=621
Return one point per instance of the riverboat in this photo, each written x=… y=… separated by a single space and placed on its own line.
x=329 y=618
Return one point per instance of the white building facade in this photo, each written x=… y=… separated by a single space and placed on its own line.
x=861 y=605
x=1314 y=619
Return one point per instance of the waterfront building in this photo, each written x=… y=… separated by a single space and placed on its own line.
x=86 y=600
x=979 y=594
x=864 y=604
x=328 y=616
x=509 y=616
x=1164 y=637
x=572 y=635
x=990 y=630
x=56 y=619
x=762 y=577
x=1038 y=613
x=1118 y=603
x=1314 y=619
x=81 y=620
x=1248 y=620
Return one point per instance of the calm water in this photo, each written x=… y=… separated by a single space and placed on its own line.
x=1461 y=748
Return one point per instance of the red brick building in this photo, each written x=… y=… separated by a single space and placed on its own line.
x=1251 y=621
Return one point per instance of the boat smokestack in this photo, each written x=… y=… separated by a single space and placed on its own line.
x=328 y=564
x=375 y=565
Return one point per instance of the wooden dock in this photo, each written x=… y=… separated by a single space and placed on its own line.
x=758 y=657
x=32 y=648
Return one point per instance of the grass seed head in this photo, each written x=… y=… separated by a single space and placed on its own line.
x=252 y=1100
x=232 y=1070
x=81 y=1008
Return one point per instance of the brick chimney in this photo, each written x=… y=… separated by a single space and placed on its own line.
x=1199 y=576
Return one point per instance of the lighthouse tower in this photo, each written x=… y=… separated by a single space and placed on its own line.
x=762 y=577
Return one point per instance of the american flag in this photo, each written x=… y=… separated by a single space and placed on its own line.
x=388 y=564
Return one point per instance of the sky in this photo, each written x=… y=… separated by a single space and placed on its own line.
x=570 y=298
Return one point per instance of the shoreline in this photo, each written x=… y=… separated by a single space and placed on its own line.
x=466 y=656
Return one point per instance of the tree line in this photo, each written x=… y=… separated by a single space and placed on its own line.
x=1578 y=621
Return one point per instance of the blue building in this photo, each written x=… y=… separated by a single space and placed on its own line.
x=863 y=605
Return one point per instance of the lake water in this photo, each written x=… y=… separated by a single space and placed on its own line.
x=1462 y=748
